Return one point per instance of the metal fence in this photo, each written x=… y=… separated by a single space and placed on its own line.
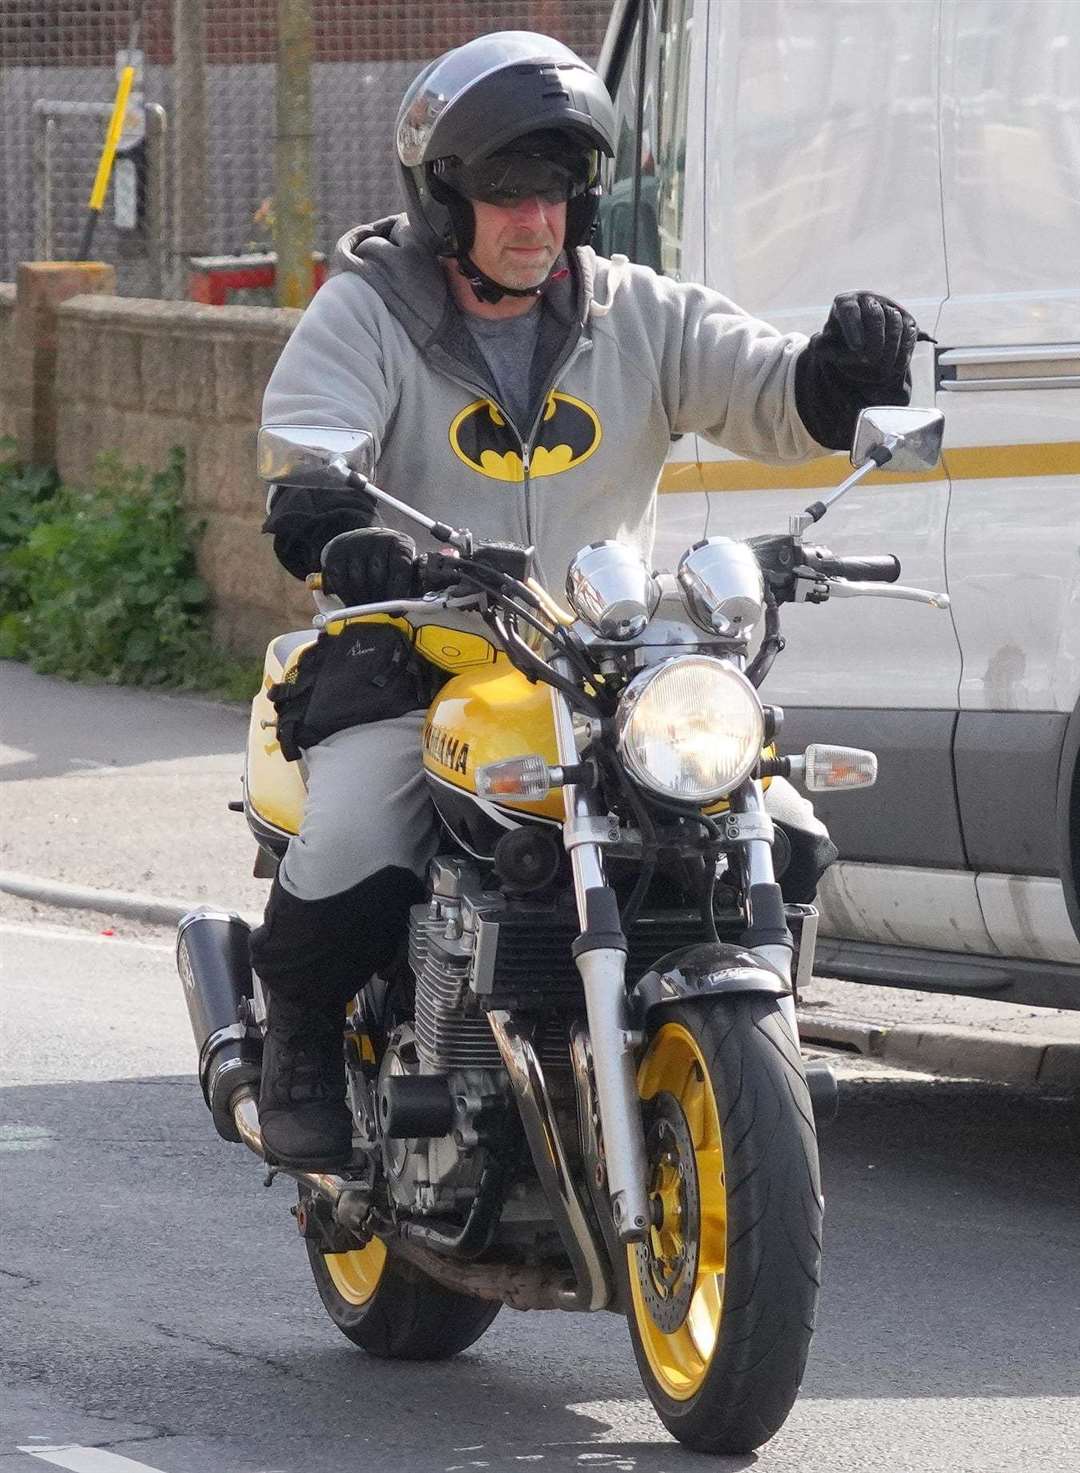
x=205 y=72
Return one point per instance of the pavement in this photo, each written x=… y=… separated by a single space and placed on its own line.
x=115 y=808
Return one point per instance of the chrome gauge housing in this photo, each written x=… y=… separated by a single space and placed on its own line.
x=723 y=586
x=612 y=590
x=690 y=729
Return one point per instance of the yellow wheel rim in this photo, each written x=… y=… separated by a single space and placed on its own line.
x=680 y=1357
x=356 y=1275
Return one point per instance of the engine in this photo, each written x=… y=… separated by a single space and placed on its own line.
x=470 y=951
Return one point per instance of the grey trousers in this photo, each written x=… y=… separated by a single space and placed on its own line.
x=368 y=808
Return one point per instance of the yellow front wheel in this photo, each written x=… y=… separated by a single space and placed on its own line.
x=724 y=1290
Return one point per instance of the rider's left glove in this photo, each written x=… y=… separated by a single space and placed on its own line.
x=370 y=566
x=862 y=356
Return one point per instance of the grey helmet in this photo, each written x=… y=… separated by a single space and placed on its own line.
x=474 y=101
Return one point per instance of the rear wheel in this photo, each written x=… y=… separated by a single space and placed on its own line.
x=724 y=1291
x=394 y=1310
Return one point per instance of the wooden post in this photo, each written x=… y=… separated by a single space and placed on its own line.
x=294 y=208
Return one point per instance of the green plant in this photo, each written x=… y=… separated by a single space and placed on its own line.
x=24 y=494
x=101 y=583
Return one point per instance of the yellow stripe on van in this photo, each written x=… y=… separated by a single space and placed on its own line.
x=968 y=463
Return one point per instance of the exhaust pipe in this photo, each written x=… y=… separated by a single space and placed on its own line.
x=215 y=968
x=214 y=963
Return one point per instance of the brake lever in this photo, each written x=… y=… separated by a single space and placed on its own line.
x=843 y=588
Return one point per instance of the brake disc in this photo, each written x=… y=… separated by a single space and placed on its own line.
x=667 y=1261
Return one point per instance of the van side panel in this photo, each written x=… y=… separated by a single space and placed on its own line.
x=1010 y=118
x=1009 y=386
x=822 y=157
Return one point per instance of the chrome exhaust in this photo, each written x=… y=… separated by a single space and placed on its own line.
x=587 y=1254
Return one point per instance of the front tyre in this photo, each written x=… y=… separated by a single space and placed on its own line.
x=724 y=1291
x=393 y=1310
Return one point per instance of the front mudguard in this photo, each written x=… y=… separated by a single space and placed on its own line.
x=711 y=969
x=704 y=970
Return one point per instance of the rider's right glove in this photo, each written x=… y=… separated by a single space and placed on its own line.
x=861 y=357
x=370 y=566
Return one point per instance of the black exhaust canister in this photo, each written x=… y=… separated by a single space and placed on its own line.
x=215 y=967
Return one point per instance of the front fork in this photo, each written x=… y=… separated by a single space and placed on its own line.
x=603 y=975
x=607 y=1006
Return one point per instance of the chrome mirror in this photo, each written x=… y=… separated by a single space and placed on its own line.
x=303 y=455
x=911 y=436
x=612 y=590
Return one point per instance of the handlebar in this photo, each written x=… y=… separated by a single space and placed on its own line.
x=884 y=569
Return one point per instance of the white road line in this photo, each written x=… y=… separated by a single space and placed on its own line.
x=87 y=1459
x=55 y=933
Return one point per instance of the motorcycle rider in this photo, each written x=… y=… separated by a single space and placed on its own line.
x=443 y=333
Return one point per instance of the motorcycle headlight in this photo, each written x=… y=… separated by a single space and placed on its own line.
x=691 y=729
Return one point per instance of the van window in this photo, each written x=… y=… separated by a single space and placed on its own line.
x=645 y=184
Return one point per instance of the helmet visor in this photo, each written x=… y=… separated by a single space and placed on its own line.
x=507 y=178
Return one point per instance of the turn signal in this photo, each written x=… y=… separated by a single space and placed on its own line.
x=521 y=779
x=822 y=768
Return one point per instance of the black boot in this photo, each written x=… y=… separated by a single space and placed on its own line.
x=304 y=1120
x=312 y=955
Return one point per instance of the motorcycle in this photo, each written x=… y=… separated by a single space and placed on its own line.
x=583 y=1088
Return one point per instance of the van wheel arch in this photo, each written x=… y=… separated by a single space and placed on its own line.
x=1069 y=818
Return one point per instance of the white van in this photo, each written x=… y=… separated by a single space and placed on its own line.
x=783 y=151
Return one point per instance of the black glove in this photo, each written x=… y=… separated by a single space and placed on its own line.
x=303 y=521
x=861 y=356
x=370 y=566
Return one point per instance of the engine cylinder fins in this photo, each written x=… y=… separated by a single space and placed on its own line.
x=415 y=1105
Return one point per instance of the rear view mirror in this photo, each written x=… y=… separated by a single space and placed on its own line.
x=912 y=436
x=302 y=455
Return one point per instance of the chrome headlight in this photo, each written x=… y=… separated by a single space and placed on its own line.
x=612 y=590
x=690 y=729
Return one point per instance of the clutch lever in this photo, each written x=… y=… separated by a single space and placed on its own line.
x=330 y=611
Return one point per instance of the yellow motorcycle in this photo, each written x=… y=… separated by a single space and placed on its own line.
x=583 y=1088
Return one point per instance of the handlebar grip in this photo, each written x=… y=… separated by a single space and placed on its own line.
x=885 y=569
x=436 y=572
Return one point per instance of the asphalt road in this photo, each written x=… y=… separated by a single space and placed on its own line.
x=158 y=1302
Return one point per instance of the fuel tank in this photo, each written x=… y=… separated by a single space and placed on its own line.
x=487 y=715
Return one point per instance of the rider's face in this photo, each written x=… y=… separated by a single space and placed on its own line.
x=517 y=244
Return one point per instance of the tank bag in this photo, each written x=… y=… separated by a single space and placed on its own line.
x=361 y=673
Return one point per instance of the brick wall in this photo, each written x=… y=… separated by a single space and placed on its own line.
x=138 y=377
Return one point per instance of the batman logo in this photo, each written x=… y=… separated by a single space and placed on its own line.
x=569 y=433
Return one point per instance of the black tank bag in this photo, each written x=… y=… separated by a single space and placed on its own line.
x=367 y=672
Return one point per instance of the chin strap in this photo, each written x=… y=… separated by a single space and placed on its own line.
x=486 y=289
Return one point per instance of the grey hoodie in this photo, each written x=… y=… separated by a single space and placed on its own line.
x=626 y=359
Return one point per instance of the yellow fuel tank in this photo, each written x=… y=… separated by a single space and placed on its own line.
x=487 y=715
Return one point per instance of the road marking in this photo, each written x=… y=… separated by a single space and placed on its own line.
x=25 y=1137
x=87 y=1459
x=54 y=933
